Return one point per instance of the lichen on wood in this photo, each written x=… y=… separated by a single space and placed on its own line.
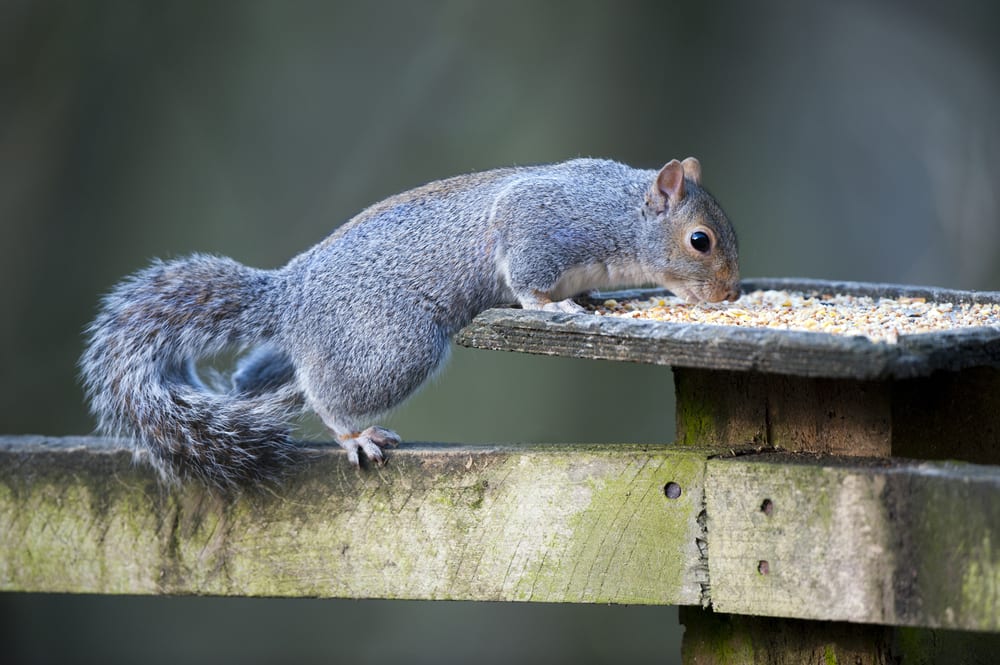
x=870 y=541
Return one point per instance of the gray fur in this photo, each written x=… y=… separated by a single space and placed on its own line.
x=139 y=376
x=351 y=327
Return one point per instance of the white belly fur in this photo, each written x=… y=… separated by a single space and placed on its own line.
x=579 y=279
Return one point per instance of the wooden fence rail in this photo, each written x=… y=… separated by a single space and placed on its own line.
x=796 y=536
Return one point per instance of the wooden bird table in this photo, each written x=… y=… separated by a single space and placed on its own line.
x=833 y=530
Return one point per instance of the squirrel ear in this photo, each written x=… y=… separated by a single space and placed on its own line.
x=670 y=183
x=692 y=169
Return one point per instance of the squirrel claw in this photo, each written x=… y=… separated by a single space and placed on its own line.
x=381 y=437
x=370 y=442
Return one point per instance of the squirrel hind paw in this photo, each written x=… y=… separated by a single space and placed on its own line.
x=371 y=442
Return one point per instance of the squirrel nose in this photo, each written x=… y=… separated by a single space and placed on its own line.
x=734 y=293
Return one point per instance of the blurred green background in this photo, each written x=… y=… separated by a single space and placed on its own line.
x=846 y=140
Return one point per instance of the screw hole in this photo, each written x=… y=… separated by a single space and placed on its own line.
x=767 y=507
x=763 y=567
x=672 y=490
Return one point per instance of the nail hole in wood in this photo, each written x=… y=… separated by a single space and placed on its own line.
x=763 y=567
x=672 y=490
x=767 y=507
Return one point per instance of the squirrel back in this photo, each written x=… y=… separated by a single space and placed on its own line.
x=352 y=326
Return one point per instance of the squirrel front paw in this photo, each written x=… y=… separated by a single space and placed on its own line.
x=541 y=301
x=371 y=441
x=567 y=306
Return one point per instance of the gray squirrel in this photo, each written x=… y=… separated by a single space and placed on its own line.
x=353 y=326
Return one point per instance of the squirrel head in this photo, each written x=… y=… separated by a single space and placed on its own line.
x=691 y=245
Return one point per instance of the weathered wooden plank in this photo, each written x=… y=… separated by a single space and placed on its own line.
x=566 y=523
x=806 y=354
x=878 y=541
x=681 y=344
x=834 y=539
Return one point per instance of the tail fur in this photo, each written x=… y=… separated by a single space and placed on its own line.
x=139 y=372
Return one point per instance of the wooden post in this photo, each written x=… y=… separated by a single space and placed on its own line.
x=948 y=415
x=725 y=639
x=828 y=416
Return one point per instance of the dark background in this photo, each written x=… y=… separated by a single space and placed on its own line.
x=847 y=141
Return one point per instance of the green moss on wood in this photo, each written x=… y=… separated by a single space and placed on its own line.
x=549 y=523
x=635 y=541
x=861 y=541
x=953 y=527
x=696 y=420
x=845 y=540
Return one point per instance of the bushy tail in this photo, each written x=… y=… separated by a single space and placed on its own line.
x=139 y=374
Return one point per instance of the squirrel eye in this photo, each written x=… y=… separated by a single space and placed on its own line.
x=701 y=242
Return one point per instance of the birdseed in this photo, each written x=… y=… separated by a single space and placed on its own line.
x=881 y=319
